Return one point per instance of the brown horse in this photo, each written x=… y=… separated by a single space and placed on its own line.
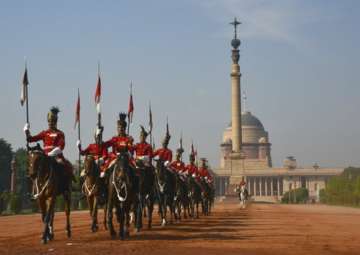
x=92 y=188
x=120 y=195
x=49 y=181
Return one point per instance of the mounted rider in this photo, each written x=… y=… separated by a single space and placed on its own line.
x=97 y=150
x=204 y=171
x=143 y=150
x=54 y=144
x=191 y=169
x=164 y=153
x=178 y=165
x=120 y=143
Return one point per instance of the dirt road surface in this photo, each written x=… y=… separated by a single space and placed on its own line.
x=258 y=229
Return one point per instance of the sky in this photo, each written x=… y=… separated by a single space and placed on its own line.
x=299 y=62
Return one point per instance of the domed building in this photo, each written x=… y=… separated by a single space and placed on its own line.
x=255 y=140
x=245 y=153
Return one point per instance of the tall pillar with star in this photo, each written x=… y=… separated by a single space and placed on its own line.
x=236 y=93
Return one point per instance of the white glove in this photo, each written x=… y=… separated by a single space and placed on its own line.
x=193 y=175
x=55 y=152
x=167 y=163
x=26 y=127
x=156 y=157
x=206 y=178
x=78 y=143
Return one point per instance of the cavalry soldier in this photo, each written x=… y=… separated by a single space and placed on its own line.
x=143 y=150
x=164 y=153
x=177 y=165
x=54 y=143
x=242 y=182
x=191 y=169
x=121 y=142
x=204 y=172
x=98 y=150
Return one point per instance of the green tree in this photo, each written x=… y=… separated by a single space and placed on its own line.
x=6 y=155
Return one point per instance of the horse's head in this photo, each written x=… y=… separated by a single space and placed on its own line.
x=121 y=167
x=90 y=166
x=160 y=174
x=37 y=162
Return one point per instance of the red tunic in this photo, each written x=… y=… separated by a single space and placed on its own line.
x=164 y=154
x=119 y=143
x=143 y=149
x=192 y=169
x=177 y=165
x=242 y=183
x=50 y=138
x=96 y=150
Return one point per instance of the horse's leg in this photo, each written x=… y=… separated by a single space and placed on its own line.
x=51 y=226
x=94 y=216
x=42 y=206
x=139 y=213
x=50 y=203
x=105 y=214
x=67 y=198
x=150 y=208
x=110 y=216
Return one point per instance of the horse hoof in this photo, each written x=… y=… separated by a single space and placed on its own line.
x=69 y=234
x=44 y=241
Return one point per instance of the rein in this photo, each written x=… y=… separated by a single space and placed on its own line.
x=123 y=186
x=91 y=190
x=37 y=188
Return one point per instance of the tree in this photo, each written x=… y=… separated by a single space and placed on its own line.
x=6 y=155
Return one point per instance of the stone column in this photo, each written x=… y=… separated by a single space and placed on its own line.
x=278 y=187
x=266 y=186
x=272 y=186
x=260 y=186
x=236 y=92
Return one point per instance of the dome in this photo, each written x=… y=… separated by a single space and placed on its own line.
x=247 y=119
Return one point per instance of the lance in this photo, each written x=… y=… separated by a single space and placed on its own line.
x=77 y=121
x=25 y=96
x=130 y=109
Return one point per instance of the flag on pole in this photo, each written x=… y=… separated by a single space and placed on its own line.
x=150 y=119
x=131 y=106
x=98 y=94
x=25 y=83
x=77 y=111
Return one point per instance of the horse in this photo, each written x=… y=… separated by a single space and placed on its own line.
x=145 y=194
x=165 y=189
x=92 y=187
x=243 y=195
x=194 y=195
x=181 y=199
x=120 y=195
x=48 y=181
x=206 y=197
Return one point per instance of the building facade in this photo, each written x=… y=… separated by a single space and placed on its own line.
x=245 y=153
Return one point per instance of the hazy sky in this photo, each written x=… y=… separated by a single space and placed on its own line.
x=299 y=60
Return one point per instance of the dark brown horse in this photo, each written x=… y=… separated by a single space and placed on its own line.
x=165 y=183
x=49 y=181
x=92 y=188
x=120 y=196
